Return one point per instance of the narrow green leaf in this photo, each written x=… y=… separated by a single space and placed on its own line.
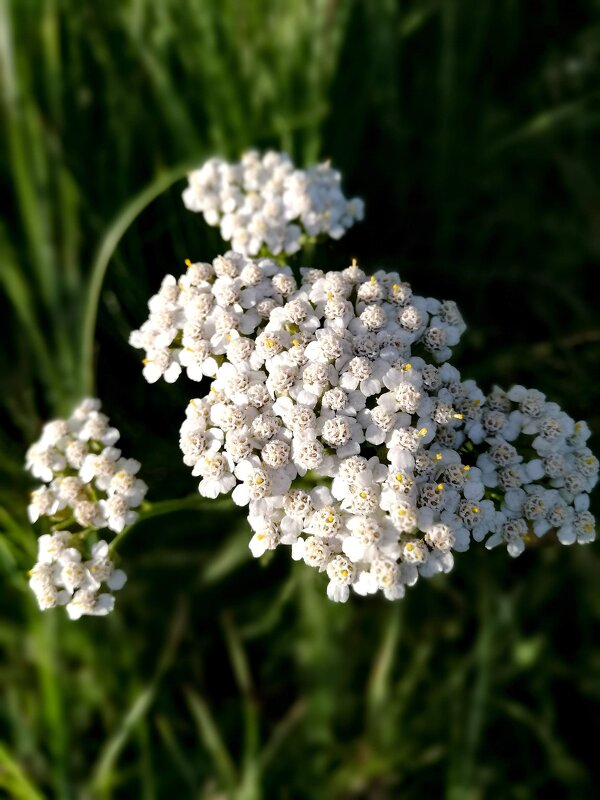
x=546 y=122
x=231 y=555
x=241 y=669
x=282 y=731
x=103 y=774
x=28 y=161
x=14 y=780
x=379 y=685
x=18 y=291
x=212 y=740
x=180 y=760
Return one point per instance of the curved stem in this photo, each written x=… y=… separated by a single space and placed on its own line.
x=106 y=249
x=64 y=524
x=162 y=507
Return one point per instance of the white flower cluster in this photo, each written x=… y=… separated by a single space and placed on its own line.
x=90 y=485
x=338 y=436
x=333 y=414
x=61 y=577
x=192 y=318
x=266 y=204
x=550 y=490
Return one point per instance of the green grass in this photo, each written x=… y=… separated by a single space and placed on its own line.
x=470 y=130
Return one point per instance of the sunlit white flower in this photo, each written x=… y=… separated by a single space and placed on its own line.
x=319 y=384
x=92 y=486
x=264 y=202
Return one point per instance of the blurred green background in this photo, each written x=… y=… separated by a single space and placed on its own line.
x=471 y=130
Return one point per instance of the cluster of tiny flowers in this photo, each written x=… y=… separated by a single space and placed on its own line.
x=193 y=318
x=87 y=485
x=62 y=577
x=266 y=204
x=332 y=413
x=534 y=462
x=334 y=416
x=334 y=421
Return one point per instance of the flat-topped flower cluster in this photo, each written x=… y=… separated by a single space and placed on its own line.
x=61 y=576
x=332 y=413
x=266 y=203
x=88 y=486
x=550 y=491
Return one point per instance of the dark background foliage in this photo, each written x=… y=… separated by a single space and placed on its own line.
x=470 y=130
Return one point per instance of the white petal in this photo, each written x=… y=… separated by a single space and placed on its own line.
x=172 y=372
x=258 y=545
x=298 y=550
x=241 y=495
x=337 y=593
x=117 y=580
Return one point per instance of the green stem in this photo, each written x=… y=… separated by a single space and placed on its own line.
x=64 y=524
x=162 y=507
x=106 y=249
x=46 y=637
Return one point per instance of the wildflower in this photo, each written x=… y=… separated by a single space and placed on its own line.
x=91 y=485
x=265 y=203
x=61 y=576
x=335 y=418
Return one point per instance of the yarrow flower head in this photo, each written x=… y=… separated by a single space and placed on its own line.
x=87 y=485
x=333 y=414
x=549 y=490
x=63 y=575
x=265 y=204
x=210 y=313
